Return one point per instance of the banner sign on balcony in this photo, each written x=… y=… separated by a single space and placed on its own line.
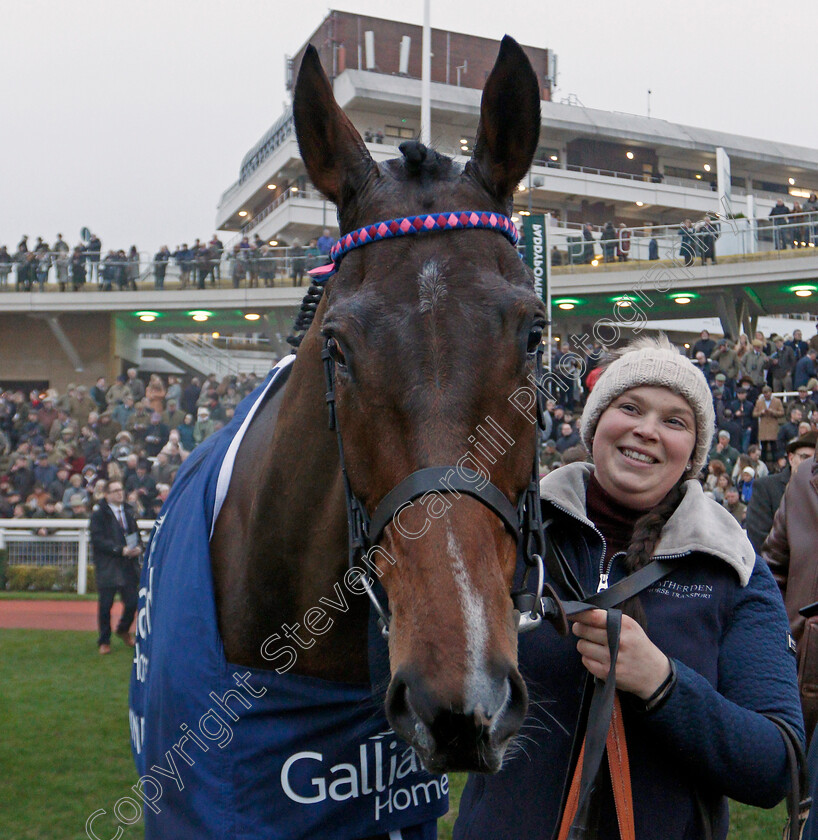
x=536 y=252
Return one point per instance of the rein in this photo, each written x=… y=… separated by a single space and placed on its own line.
x=524 y=522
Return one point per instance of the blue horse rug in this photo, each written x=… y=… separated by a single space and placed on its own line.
x=227 y=751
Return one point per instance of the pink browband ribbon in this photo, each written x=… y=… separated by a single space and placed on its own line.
x=409 y=225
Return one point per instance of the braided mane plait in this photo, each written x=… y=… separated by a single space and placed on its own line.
x=306 y=314
x=415 y=155
x=646 y=533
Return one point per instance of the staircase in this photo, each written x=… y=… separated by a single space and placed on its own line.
x=196 y=354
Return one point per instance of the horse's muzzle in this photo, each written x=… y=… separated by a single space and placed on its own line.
x=470 y=736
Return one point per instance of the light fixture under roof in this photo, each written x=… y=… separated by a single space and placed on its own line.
x=791 y=181
x=707 y=167
x=554 y=157
x=803 y=293
x=243 y=213
x=567 y=303
x=200 y=314
x=271 y=186
x=251 y=316
x=629 y=155
x=147 y=316
x=683 y=298
x=640 y=203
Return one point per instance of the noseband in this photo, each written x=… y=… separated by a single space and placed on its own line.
x=523 y=520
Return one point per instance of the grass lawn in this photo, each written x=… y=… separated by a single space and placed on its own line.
x=65 y=751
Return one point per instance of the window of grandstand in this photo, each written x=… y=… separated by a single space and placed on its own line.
x=400 y=132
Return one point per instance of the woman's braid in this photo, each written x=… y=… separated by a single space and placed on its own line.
x=646 y=533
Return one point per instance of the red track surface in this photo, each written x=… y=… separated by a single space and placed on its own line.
x=51 y=615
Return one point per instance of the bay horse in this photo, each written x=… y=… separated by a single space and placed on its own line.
x=418 y=342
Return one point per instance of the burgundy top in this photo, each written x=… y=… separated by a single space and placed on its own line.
x=611 y=518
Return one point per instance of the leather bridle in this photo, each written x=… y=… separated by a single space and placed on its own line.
x=523 y=520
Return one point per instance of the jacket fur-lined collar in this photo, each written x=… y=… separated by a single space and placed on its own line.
x=698 y=524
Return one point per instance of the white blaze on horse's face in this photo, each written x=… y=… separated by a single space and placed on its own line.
x=431 y=334
x=475 y=689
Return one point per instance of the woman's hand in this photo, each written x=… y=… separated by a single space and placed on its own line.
x=640 y=666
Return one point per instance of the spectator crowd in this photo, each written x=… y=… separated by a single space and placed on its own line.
x=59 y=451
x=250 y=262
x=765 y=396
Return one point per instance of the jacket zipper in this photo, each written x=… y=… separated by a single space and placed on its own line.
x=603 y=578
x=603 y=573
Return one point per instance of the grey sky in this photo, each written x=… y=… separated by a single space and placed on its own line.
x=132 y=118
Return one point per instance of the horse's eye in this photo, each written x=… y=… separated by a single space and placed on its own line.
x=335 y=352
x=534 y=339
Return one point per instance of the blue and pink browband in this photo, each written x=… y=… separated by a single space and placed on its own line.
x=409 y=225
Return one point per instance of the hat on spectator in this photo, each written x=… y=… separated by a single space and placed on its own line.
x=748 y=471
x=803 y=388
x=551 y=442
x=76 y=499
x=812 y=384
x=720 y=377
x=123 y=435
x=810 y=439
x=757 y=342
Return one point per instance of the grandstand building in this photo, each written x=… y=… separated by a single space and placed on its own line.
x=592 y=166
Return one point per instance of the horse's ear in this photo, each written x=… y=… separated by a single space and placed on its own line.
x=336 y=158
x=509 y=127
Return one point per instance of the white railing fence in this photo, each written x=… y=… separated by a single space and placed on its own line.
x=65 y=545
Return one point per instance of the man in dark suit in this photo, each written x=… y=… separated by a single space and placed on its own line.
x=768 y=491
x=117 y=548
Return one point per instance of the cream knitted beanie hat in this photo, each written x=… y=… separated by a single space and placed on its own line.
x=654 y=361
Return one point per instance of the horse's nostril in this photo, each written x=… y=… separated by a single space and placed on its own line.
x=398 y=711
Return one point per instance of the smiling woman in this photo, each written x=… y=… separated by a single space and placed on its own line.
x=703 y=654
